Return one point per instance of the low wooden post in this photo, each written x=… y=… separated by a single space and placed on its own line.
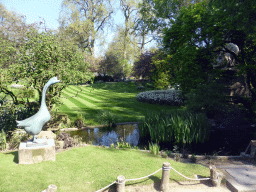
x=120 y=184
x=216 y=177
x=165 y=177
x=52 y=188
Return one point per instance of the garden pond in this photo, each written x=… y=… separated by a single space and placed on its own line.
x=106 y=136
x=222 y=141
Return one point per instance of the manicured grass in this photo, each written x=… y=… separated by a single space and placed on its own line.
x=117 y=97
x=88 y=169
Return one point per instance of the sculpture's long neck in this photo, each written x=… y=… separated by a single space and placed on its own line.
x=43 y=103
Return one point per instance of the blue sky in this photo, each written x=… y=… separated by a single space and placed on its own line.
x=49 y=10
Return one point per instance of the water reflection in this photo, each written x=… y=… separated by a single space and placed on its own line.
x=103 y=136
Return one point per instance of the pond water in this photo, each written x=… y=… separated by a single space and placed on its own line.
x=106 y=136
x=225 y=141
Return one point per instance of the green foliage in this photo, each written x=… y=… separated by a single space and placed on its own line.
x=201 y=32
x=16 y=138
x=177 y=127
x=79 y=121
x=45 y=56
x=123 y=145
x=154 y=148
x=26 y=93
x=10 y=113
x=3 y=140
x=107 y=117
x=112 y=145
x=160 y=71
x=168 y=153
x=208 y=98
x=136 y=147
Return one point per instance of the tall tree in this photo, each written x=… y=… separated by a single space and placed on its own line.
x=84 y=20
x=158 y=14
x=128 y=8
x=13 y=30
x=142 y=67
x=131 y=48
x=204 y=29
x=141 y=27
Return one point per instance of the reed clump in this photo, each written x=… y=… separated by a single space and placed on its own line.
x=177 y=127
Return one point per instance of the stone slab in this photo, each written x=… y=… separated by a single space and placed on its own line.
x=39 y=142
x=36 y=153
x=240 y=178
x=244 y=176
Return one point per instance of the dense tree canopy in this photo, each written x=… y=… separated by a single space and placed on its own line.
x=33 y=58
x=203 y=30
x=83 y=21
x=143 y=67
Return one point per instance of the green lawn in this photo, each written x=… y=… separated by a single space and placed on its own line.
x=119 y=98
x=88 y=169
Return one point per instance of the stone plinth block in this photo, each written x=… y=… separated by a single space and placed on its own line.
x=30 y=153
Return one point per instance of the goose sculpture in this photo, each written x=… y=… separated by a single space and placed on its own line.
x=34 y=124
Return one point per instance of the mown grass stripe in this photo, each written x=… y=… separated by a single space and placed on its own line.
x=85 y=95
x=98 y=104
x=107 y=96
x=118 y=110
x=117 y=101
x=80 y=102
x=112 y=96
x=68 y=104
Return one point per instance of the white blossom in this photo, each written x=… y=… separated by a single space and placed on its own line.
x=170 y=97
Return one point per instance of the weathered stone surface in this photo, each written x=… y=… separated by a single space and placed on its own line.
x=46 y=135
x=59 y=144
x=37 y=154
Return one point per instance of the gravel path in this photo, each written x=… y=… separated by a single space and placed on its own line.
x=184 y=186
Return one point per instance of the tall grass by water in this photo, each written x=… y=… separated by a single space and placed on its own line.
x=177 y=127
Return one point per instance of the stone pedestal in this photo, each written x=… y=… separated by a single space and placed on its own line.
x=30 y=153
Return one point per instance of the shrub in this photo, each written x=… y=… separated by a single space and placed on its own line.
x=167 y=97
x=142 y=68
x=11 y=113
x=17 y=137
x=79 y=121
x=207 y=98
x=58 y=120
x=177 y=127
x=104 y=78
x=107 y=117
x=3 y=140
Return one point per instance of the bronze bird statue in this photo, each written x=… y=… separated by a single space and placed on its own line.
x=34 y=124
